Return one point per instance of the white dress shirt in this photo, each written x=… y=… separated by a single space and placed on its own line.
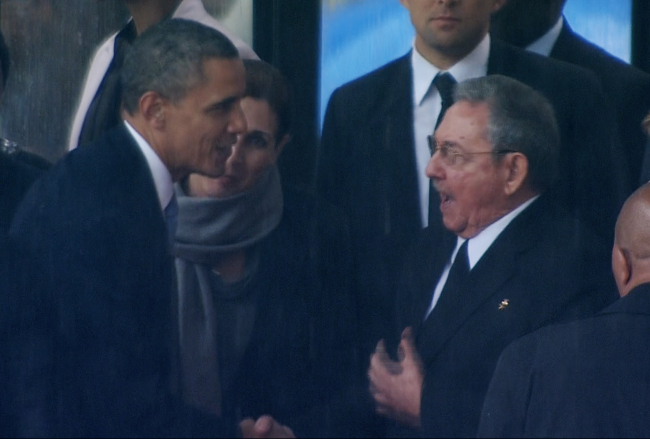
x=162 y=178
x=476 y=247
x=427 y=104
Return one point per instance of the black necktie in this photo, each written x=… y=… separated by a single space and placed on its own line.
x=445 y=83
x=458 y=271
x=171 y=219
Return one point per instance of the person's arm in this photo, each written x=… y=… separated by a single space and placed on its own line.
x=506 y=402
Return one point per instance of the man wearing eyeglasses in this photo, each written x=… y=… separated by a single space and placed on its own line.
x=508 y=261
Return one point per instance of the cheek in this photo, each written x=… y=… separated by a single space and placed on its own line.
x=257 y=163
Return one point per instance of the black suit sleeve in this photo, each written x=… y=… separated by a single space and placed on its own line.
x=504 y=408
x=91 y=348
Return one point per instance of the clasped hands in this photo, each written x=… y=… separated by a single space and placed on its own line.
x=396 y=386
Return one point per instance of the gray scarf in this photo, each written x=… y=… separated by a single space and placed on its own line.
x=207 y=226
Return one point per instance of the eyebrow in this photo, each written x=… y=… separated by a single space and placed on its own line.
x=229 y=101
x=258 y=133
x=448 y=144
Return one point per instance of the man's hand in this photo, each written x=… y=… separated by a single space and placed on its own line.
x=264 y=427
x=397 y=386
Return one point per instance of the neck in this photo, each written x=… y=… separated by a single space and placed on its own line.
x=447 y=57
x=153 y=138
x=146 y=13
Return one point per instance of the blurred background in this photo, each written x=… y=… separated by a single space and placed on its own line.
x=318 y=44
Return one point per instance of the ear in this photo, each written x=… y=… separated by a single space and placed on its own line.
x=516 y=170
x=152 y=107
x=622 y=269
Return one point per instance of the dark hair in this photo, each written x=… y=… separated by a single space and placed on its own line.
x=521 y=119
x=5 y=60
x=168 y=58
x=265 y=82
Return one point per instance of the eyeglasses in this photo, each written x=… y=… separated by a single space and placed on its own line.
x=450 y=156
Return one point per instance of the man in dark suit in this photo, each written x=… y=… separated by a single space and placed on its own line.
x=587 y=378
x=373 y=151
x=18 y=168
x=96 y=345
x=510 y=261
x=539 y=26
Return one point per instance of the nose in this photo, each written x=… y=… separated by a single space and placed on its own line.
x=237 y=124
x=435 y=167
x=237 y=154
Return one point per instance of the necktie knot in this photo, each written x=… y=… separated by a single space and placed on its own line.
x=445 y=83
x=461 y=263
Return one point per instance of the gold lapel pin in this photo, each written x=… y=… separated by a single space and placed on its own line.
x=504 y=303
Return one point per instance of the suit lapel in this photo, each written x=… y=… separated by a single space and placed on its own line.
x=564 y=45
x=430 y=266
x=488 y=276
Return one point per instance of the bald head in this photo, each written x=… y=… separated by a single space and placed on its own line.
x=631 y=253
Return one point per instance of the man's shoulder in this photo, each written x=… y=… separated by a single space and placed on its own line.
x=575 y=49
x=89 y=176
x=538 y=71
x=376 y=82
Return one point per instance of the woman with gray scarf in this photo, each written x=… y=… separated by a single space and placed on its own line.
x=265 y=315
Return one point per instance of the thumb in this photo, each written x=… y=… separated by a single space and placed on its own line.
x=263 y=425
x=407 y=345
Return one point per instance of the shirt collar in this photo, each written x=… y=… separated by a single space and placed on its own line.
x=544 y=45
x=479 y=244
x=474 y=65
x=162 y=178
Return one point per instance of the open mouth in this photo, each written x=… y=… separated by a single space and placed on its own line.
x=445 y=200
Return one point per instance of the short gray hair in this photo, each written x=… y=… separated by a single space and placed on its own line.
x=168 y=59
x=522 y=120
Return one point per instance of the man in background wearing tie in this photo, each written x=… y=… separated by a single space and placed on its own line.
x=540 y=27
x=373 y=151
x=99 y=104
x=508 y=261
x=95 y=349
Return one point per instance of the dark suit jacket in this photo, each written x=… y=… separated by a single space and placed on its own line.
x=583 y=379
x=17 y=173
x=299 y=363
x=92 y=355
x=544 y=267
x=367 y=164
x=626 y=87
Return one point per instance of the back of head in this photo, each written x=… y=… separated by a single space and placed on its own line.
x=632 y=241
x=266 y=83
x=522 y=22
x=522 y=120
x=168 y=58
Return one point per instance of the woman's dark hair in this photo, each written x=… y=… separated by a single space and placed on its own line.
x=265 y=82
x=5 y=60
